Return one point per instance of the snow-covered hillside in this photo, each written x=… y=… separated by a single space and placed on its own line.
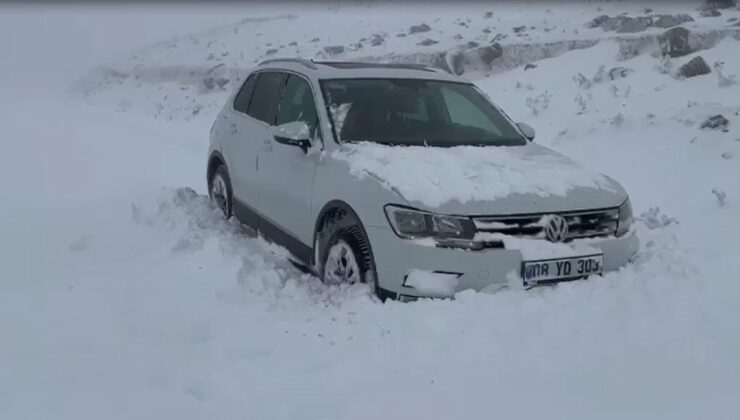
x=123 y=295
x=189 y=75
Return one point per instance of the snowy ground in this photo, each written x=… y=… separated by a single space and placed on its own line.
x=122 y=295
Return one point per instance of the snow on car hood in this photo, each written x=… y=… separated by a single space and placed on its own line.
x=434 y=176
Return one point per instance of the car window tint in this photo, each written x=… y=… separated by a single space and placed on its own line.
x=297 y=104
x=464 y=112
x=415 y=112
x=266 y=95
x=241 y=101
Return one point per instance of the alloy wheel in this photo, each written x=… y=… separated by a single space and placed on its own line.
x=341 y=265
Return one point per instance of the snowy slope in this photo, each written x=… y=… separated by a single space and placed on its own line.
x=122 y=295
x=189 y=75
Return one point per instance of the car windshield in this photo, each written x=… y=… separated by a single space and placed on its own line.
x=416 y=112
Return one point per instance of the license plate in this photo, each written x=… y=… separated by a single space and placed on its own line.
x=561 y=268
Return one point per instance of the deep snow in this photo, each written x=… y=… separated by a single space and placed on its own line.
x=122 y=295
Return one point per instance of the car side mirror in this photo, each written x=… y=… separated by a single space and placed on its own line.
x=527 y=130
x=294 y=133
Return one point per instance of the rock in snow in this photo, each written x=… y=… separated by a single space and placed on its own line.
x=696 y=67
x=716 y=122
x=597 y=21
x=718 y=4
x=710 y=13
x=632 y=25
x=415 y=29
x=627 y=24
x=427 y=42
x=334 y=49
x=667 y=21
x=675 y=42
x=376 y=40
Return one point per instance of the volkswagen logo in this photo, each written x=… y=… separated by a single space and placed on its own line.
x=556 y=228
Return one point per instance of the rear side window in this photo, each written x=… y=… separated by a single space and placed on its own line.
x=241 y=102
x=266 y=95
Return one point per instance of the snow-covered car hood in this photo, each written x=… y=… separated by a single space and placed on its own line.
x=482 y=180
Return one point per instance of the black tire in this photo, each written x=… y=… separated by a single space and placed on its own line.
x=225 y=203
x=337 y=229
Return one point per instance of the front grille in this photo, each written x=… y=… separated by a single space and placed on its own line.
x=581 y=224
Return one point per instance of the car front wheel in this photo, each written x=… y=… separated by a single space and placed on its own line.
x=346 y=258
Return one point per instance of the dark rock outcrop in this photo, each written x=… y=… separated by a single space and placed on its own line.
x=696 y=67
x=597 y=21
x=376 y=40
x=415 y=29
x=334 y=49
x=632 y=25
x=669 y=21
x=716 y=122
x=710 y=13
x=427 y=42
x=628 y=24
x=718 y=4
x=675 y=42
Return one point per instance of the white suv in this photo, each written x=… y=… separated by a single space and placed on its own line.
x=408 y=179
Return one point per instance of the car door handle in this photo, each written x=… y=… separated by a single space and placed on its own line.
x=267 y=145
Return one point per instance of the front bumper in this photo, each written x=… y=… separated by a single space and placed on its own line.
x=488 y=269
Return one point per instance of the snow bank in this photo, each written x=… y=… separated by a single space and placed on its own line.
x=434 y=176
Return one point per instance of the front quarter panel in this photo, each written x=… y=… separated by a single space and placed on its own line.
x=364 y=194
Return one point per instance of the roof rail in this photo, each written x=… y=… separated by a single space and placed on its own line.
x=439 y=70
x=360 y=64
x=306 y=63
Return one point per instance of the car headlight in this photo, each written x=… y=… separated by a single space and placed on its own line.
x=625 y=218
x=413 y=224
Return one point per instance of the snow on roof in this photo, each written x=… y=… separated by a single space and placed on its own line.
x=349 y=69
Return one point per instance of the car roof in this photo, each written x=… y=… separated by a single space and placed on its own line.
x=357 y=70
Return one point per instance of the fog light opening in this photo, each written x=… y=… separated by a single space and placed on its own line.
x=432 y=283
